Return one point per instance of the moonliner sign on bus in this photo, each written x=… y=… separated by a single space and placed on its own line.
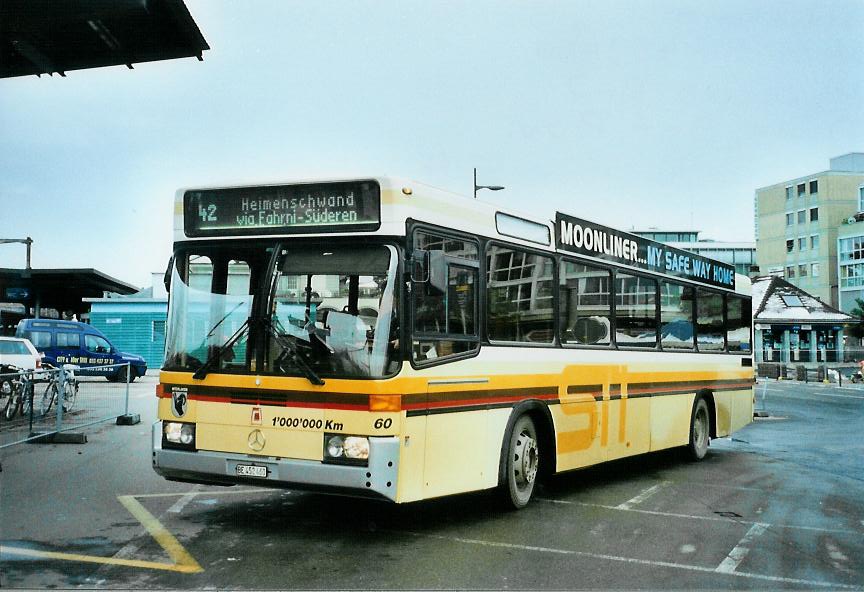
x=283 y=209
x=607 y=244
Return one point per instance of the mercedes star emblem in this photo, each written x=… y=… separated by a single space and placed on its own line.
x=256 y=440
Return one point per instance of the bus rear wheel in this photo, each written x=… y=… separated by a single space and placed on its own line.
x=700 y=430
x=521 y=463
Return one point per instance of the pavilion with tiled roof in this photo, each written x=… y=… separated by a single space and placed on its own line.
x=791 y=325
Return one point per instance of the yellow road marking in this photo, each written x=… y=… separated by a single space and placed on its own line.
x=165 y=539
x=104 y=560
x=183 y=562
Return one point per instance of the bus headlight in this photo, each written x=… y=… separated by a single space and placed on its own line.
x=346 y=449
x=179 y=435
x=335 y=447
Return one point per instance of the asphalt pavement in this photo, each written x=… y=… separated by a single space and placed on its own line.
x=779 y=505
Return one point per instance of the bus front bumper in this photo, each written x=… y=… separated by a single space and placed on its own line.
x=220 y=468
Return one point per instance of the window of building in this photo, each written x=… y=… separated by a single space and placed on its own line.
x=738 y=315
x=802 y=216
x=814 y=214
x=791 y=300
x=814 y=242
x=157 y=331
x=814 y=270
x=814 y=186
x=852 y=276
x=676 y=316
x=709 y=321
x=789 y=192
x=586 y=304
x=801 y=189
x=790 y=219
x=519 y=296
x=790 y=245
x=861 y=199
x=635 y=311
x=790 y=272
x=802 y=271
x=802 y=244
x=851 y=249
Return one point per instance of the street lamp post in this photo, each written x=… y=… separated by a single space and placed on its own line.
x=489 y=187
x=29 y=241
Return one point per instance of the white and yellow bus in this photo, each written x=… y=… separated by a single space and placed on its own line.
x=380 y=337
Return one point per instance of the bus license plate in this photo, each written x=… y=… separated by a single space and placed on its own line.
x=251 y=471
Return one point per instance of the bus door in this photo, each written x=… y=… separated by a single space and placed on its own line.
x=444 y=330
x=456 y=424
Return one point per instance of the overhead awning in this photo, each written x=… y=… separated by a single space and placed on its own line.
x=60 y=289
x=48 y=36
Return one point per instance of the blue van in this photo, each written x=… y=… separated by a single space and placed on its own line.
x=71 y=342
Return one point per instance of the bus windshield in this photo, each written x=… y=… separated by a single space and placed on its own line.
x=325 y=311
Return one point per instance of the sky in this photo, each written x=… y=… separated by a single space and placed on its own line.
x=638 y=114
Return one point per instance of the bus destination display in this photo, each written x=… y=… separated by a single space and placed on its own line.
x=282 y=209
x=601 y=242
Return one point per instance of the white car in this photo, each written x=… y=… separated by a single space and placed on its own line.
x=19 y=352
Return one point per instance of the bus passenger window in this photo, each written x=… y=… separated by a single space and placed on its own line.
x=635 y=311
x=585 y=304
x=519 y=296
x=709 y=321
x=676 y=316
x=738 y=315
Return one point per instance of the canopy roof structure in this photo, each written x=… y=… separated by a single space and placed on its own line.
x=60 y=289
x=47 y=36
x=776 y=300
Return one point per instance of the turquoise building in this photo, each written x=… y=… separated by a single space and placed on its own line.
x=136 y=323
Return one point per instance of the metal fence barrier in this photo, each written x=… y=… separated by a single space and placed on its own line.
x=802 y=373
x=52 y=404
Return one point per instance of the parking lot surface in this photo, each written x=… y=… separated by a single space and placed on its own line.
x=777 y=506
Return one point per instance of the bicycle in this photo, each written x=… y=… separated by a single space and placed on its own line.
x=51 y=392
x=17 y=390
x=8 y=386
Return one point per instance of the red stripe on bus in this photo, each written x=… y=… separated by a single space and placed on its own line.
x=304 y=405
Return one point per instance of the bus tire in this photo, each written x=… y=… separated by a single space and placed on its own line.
x=520 y=463
x=700 y=430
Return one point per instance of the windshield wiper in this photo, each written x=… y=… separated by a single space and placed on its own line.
x=217 y=353
x=222 y=320
x=289 y=347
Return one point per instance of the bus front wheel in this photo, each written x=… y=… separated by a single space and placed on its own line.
x=520 y=464
x=700 y=430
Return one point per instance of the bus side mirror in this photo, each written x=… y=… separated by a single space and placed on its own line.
x=167 y=278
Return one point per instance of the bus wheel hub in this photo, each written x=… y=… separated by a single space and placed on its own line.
x=525 y=459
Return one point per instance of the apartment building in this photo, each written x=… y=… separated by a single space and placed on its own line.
x=797 y=223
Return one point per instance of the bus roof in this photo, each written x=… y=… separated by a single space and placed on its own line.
x=404 y=199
